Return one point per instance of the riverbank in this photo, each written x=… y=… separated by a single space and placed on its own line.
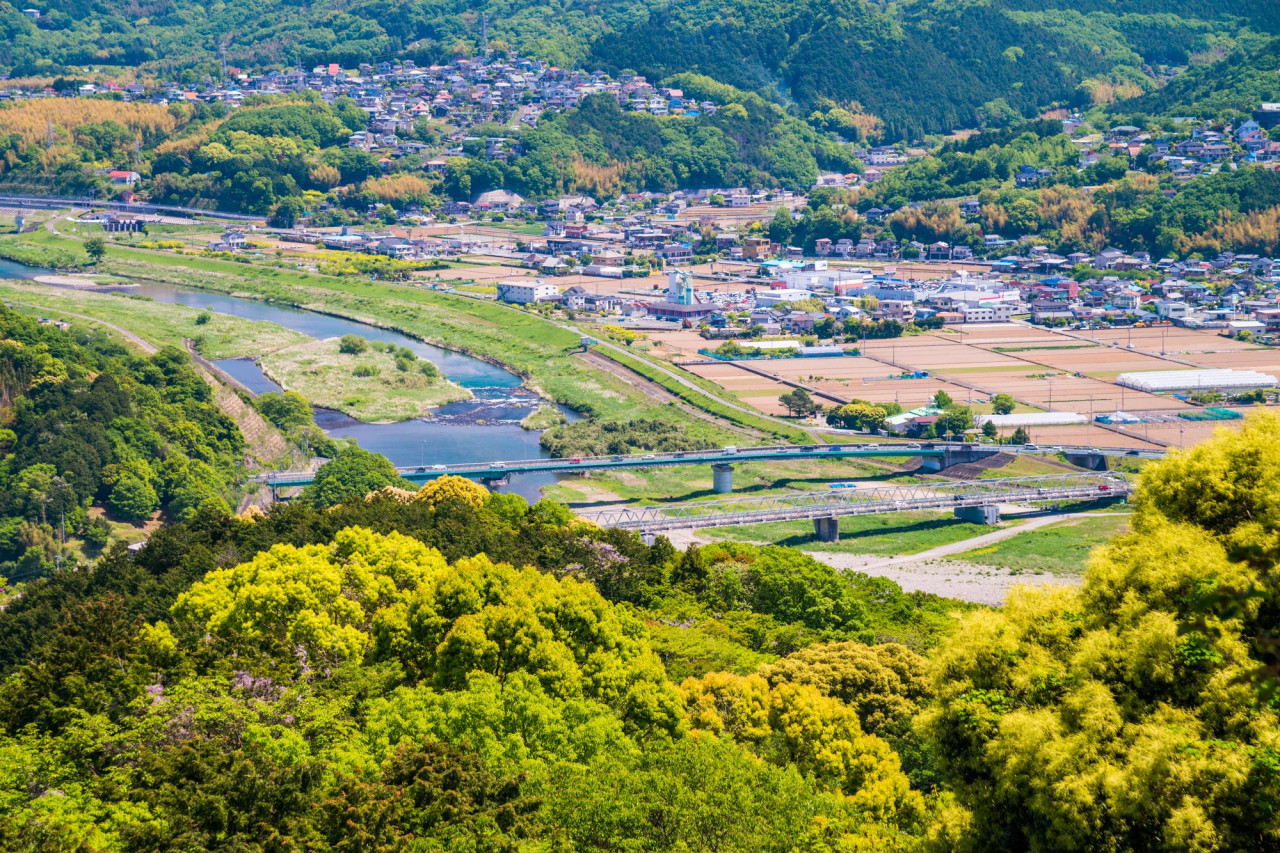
x=541 y=352
x=218 y=335
x=372 y=386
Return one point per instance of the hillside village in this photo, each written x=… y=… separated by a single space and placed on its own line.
x=419 y=117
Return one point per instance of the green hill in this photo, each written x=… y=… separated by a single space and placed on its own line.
x=921 y=66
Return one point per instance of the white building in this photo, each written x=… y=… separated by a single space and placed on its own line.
x=527 y=291
x=999 y=312
x=822 y=278
x=769 y=298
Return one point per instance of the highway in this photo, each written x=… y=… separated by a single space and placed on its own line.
x=833 y=503
x=57 y=202
x=720 y=456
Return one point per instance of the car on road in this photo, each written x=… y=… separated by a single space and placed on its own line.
x=729 y=451
x=575 y=460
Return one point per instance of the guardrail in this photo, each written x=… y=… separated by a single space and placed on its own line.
x=869 y=501
x=52 y=202
x=499 y=469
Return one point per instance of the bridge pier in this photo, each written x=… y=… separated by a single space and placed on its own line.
x=985 y=514
x=722 y=478
x=949 y=457
x=649 y=538
x=1091 y=461
x=827 y=529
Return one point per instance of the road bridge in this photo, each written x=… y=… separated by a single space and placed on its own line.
x=936 y=456
x=973 y=500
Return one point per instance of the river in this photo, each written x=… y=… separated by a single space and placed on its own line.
x=483 y=429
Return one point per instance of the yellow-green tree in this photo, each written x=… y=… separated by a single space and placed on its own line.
x=320 y=597
x=450 y=487
x=496 y=619
x=1123 y=716
x=794 y=724
x=881 y=684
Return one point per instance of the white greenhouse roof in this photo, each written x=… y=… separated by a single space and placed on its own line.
x=1184 y=380
x=1029 y=419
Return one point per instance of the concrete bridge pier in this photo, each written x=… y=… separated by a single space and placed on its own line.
x=492 y=483
x=987 y=514
x=1091 y=461
x=722 y=478
x=949 y=457
x=648 y=538
x=827 y=529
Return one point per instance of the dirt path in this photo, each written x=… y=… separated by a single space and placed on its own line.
x=263 y=442
x=133 y=338
x=930 y=571
x=872 y=564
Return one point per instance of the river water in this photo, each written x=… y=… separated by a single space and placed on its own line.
x=483 y=429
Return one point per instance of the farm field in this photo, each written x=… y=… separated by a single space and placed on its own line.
x=1043 y=370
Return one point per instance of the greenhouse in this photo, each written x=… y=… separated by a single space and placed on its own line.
x=1157 y=381
x=1032 y=419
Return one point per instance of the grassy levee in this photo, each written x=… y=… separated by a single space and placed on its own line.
x=221 y=336
x=538 y=350
x=1059 y=549
x=704 y=401
x=693 y=482
x=886 y=535
x=37 y=253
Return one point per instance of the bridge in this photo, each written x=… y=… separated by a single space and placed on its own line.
x=936 y=456
x=973 y=500
x=40 y=202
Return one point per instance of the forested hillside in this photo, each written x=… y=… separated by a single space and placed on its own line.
x=919 y=66
x=92 y=435
x=1240 y=82
x=455 y=670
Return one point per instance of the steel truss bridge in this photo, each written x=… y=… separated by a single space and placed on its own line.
x=939 y=454
x=829 y=504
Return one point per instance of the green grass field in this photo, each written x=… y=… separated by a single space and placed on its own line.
x=1059 y=549
x=885 y=535
x=693 y=482
x=326 y=377
x=221 y=337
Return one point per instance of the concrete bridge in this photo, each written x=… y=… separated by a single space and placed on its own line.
x=977 y=501
x=935 y=456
